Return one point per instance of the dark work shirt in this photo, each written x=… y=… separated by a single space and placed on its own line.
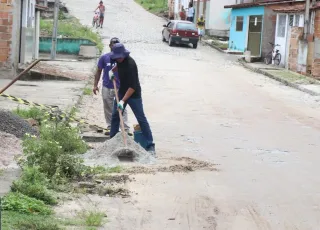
x=128 y=75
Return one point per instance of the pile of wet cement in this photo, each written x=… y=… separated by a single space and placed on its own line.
x=108 y=152
x=13 y=124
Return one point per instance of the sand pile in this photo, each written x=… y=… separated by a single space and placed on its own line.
x=10 y=146
x=107 y=153
x=13 y=124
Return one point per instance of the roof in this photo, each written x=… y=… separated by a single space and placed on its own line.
x=291 y=9
x=246 y=5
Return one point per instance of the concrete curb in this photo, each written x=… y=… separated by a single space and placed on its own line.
x=213 y=46
x=283 y=81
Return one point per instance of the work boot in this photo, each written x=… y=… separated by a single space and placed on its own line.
x=152 y=150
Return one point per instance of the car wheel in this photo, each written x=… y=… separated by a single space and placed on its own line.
x=195 y=45
x=170 y=41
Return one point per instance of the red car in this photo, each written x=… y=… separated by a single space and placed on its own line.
x=180 y=32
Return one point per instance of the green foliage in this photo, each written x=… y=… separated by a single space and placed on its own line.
x=68 y=138
x=33 y=112
x=87 y=91
x=154 y=6
x=72 y=28
x=92 y=218
x=101 y=169
x=53 y=152
x=18 y=202
x=21 y=221
x=34 y=184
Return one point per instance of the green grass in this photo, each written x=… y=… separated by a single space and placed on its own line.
x=87 y=91
x=154 y=6
x=92 y=218
x=33 y=112
x=72 y=28
x=18 y=202
x=220 y=44
x=1 y=172
x=21 y=221
x=293 y=77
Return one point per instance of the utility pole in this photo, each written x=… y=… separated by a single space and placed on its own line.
x=306 y=19
x=55 y=30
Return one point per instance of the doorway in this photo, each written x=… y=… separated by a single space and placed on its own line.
x=254 y=34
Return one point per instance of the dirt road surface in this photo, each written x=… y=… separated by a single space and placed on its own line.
x=201 y=104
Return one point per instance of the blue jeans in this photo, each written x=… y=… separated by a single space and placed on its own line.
x=137 y=108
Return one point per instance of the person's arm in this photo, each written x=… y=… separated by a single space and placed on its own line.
x=98 y=75
x=96 y=81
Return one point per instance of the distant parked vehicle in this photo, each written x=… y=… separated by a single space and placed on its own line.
x=273 y=55
x=180 y=32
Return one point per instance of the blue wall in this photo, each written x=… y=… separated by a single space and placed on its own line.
x=237 y=40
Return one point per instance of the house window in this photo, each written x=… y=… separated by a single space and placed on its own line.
x=239 y=23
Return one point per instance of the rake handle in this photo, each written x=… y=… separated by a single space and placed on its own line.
x=120 y=114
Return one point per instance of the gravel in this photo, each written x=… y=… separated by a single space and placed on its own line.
x=13 y=124
x=107 y=153
x=10 y=146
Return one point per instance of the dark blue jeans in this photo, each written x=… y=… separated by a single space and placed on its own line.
x=137 y=108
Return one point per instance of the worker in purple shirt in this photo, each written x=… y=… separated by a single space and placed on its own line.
x=108 y=93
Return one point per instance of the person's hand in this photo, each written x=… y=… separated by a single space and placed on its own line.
x=95 y=90
x=111 y=75
x=121 y=105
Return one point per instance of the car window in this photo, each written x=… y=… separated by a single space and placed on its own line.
x=168 y=24
x=186 y=26
x=171 y=25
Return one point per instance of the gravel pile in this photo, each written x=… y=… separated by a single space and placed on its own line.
x=107 y=153
x=10 y=146
x=13 y=124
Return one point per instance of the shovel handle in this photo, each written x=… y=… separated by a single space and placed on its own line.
x=120 y=114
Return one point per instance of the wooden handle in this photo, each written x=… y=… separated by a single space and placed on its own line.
x=120 y=114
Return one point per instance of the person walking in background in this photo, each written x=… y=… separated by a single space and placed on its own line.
x=102 y=10
x=190 y=13
x=108 y=93
x=129 y=94
x=201 y=26
x=182 y=14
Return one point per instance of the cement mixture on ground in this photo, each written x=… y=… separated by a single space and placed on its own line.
x=13 y=124
x=10 y=146
x=107 y=152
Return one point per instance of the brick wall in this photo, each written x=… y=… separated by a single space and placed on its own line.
x=296 y=35
x=6 y=20
x=316 y=62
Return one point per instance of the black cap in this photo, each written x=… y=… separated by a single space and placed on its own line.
x=114 y=40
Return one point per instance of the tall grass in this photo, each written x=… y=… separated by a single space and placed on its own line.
x=72 y=28
x=154 y=6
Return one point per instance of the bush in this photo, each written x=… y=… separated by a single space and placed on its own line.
x=18 y=202
x=34 y=184
x=66 y=137
x=33 y=112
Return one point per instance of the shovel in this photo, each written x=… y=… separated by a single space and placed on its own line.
x=125 y=153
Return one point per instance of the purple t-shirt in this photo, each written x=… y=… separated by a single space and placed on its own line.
x=107 y=64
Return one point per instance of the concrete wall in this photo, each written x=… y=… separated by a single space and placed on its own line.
x=28 y=32
x=269 y=28
x=316 y=61
x=238 y=39
x=9 y=34
x=218 y=18
x=296 y=35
